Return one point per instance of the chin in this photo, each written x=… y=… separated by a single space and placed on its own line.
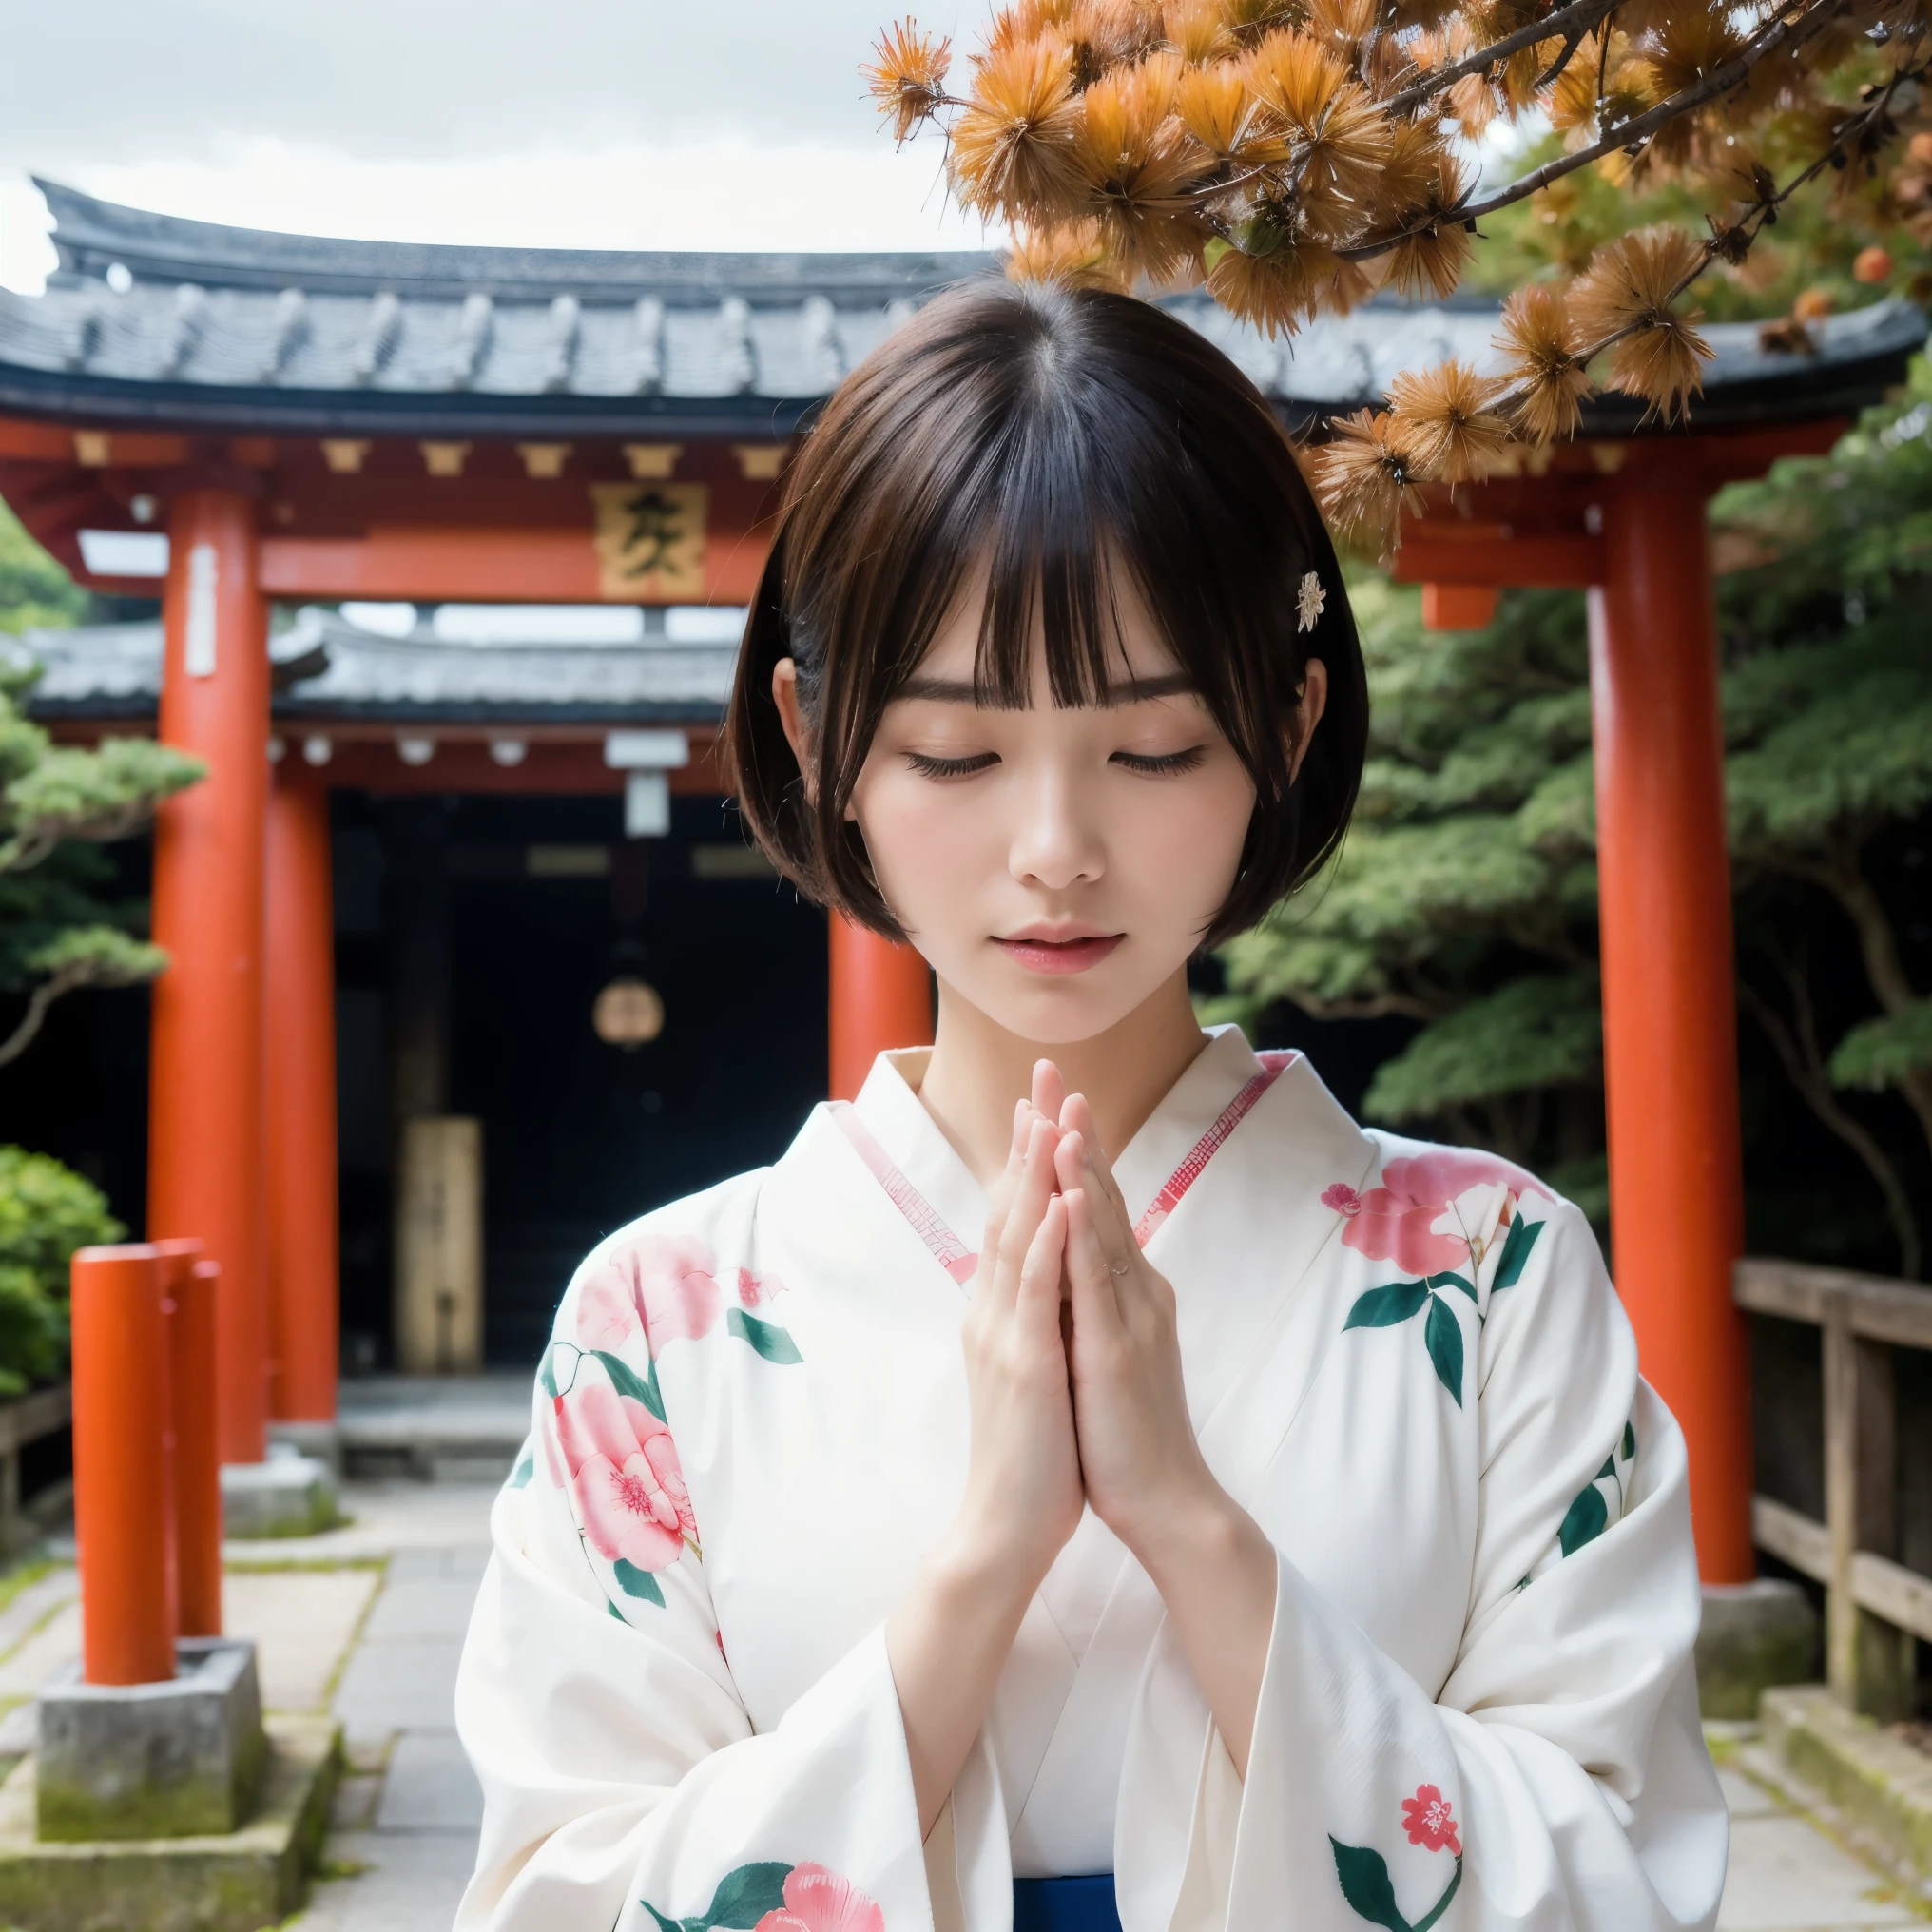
x=1058 y=1013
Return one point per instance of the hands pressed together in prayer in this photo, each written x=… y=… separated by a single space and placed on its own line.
x=1073 y=1375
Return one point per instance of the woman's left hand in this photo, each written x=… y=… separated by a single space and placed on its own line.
x=1144 y=1471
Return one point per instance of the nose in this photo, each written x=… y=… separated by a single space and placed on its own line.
x=1057 y=842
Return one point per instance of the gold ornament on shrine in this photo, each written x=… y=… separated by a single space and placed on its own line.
x=627 y=1013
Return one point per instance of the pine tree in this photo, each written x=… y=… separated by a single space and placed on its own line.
x=62 y=927
x=1465 y=897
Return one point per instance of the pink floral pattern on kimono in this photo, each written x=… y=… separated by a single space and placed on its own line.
x=817 y=1899
x=629 y=1487
x=1409 y=1219
x=754 y=1292
x=664 y=1283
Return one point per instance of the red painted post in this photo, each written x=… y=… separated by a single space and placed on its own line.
x=195 y=1473
x=881 y=997
x=302 y=1103
x=1669 y=1017
x=120 y=1368
x=205 y=1110
x=177 y=1258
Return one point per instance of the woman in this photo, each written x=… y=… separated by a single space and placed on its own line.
x=1262 y=1522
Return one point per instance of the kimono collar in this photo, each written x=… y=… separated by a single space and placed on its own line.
x=889 y=1107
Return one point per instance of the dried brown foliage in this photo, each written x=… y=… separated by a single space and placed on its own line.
x=1297 y=155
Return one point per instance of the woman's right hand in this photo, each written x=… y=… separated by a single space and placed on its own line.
x=1023 y=1493
x=950 y=1636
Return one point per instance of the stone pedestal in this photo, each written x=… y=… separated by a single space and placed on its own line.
x=170 y=1760
x=1754 y=1636
x=226 y=1882
x=290 y=1494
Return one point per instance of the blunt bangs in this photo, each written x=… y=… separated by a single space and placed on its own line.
x=1071 y=445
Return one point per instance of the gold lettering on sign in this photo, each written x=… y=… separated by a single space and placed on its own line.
x=650 y=541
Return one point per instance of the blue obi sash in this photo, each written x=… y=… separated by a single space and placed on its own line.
x=1064 y=1905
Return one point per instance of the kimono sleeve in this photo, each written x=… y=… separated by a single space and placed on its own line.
x=623 y=1785
x=1558 y=1780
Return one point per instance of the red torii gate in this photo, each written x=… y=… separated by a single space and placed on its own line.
x=353 y=474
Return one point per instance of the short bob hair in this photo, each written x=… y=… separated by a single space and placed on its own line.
x=1053 y=436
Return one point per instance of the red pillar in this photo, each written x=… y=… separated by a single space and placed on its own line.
x=120 y=1515
x=195 y=1469
x=302 y=1103
x=205 y=1113
x=1668 y=1017
x=881 y=997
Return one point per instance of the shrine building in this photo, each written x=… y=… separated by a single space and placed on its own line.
x=452 y=545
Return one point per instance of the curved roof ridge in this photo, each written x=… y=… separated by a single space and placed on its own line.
x=91 y=234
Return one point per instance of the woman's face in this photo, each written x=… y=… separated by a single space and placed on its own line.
x=1056 y=867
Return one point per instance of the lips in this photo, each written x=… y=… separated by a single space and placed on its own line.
x=1076 y=953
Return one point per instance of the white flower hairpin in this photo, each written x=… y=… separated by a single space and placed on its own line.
x=1310 y=603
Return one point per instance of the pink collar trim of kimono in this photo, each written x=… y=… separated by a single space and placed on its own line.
x=960 y=1261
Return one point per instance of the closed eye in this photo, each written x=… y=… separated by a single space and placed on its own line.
x=951 y=767
x=1162 y=765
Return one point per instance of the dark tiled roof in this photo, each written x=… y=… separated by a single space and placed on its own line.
x=326 y=669
x=239 y=327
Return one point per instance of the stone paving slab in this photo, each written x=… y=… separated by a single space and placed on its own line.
x=406 y=1685
x=384 y=1518
x=418 y=1607
x=40 y=1654
x=303 y=1623
x=430 y=1787
x=410 y=1883
x=1787 y=1876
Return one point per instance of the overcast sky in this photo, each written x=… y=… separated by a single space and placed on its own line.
x=640 y=124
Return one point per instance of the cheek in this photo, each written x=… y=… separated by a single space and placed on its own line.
x=929 y=844
x=1180 y=844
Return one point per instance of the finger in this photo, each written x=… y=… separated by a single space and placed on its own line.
x=1094 y=1286
x=1076 y=1116
x=1073 y=1168
x=1040 y=1273
x=1035 y=1189
x=1049 y=1090
x=999 y=1196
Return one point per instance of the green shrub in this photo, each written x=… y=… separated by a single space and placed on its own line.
x=46 y=1212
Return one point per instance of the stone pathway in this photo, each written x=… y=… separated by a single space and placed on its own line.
x=368 y=1622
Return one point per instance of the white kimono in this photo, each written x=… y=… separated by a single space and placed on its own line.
x=1406 y=1361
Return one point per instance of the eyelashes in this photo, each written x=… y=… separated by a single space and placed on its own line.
x=1145 y=764
x=1160 y=765
x=950 y=768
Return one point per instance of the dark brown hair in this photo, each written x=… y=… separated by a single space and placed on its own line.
x=1059 y=436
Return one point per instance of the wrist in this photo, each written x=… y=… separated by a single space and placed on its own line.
x=972 y=1564
x=1199 y=1538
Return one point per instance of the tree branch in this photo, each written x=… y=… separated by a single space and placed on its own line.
x=1721 y=80
x=1805 y=1068
x=1578 y=17
x=43 y=996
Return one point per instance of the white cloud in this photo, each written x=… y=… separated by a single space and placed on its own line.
x=606 y=123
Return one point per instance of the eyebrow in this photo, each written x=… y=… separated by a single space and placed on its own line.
x=1134 y=691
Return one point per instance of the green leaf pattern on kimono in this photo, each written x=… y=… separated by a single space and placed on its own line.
x=1598 y=1504
x=1398 y=1302
x=786 y=1895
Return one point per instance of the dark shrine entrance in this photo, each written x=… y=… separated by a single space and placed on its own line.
x=474 y=935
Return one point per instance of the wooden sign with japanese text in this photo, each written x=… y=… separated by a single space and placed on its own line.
x=650 y=541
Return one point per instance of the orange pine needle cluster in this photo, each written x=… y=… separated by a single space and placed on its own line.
x=1625 y=302
x=1298 y=156
x=907 y=76
x=1550 y=385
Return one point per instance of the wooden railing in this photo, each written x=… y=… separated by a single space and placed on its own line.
x=1873 y=1604
x=24 y=1420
